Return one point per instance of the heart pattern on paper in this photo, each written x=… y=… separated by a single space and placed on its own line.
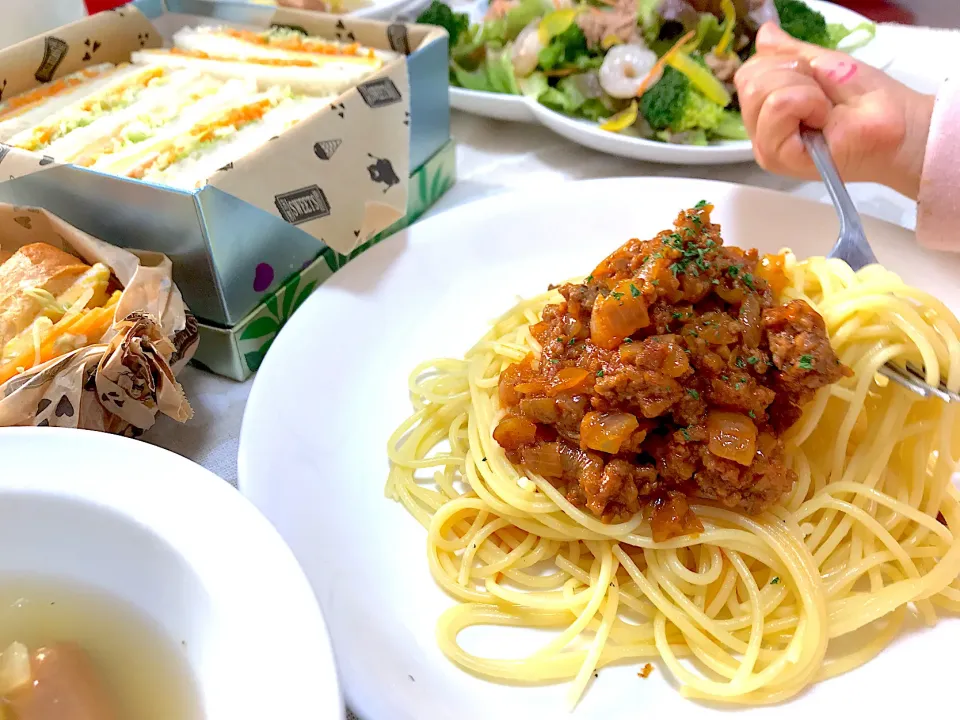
x=64 y=407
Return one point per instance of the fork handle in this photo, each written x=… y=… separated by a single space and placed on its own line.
x=819 y=151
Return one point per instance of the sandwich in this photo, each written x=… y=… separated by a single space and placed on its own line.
x=156 y=109
x=26 y=109
x=174 y=117
x=187 y=153
x=274 y=57
x=118 y=91
x=51 y=303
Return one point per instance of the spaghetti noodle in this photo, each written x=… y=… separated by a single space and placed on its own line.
x=746 y=610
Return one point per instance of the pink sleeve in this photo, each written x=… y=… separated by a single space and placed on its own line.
x=938 y=203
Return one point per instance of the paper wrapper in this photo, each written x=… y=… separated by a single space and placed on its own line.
x=120 y=384
x=340 y=175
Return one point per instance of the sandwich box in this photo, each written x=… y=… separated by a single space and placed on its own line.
x=237 y=352
x=334 y=181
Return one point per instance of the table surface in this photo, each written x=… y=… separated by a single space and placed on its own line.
x=495 y=157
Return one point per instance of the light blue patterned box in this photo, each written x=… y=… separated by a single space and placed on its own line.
x=228 y=254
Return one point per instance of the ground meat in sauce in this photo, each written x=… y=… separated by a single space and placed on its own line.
x=671 y=373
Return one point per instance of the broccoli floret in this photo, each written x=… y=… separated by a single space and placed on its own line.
x=674 y=104
x=441 y=15
x=802 y=22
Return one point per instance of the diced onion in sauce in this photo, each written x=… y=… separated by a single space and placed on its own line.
x=772 y=269
x=568 y=379
x=543 y=459
x=606 y=432
x=672 y=517
x=14 y=668
x=714 y=330
x=541 y=409
x=733 y=295
x=513 y=432
x=750 y=320
x=732 y=436
x=618 y=315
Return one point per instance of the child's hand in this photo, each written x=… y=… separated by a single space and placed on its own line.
x=875 y=126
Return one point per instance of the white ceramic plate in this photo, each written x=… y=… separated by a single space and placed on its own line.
x=173 y=540
x=334 y=386
x=520 y=109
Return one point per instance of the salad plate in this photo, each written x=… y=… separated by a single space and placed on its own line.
x=491 y=90
x=496 y=106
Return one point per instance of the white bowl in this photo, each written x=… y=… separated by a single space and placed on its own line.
x=180 y=545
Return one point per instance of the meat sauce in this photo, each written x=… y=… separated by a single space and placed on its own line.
x=671 y=373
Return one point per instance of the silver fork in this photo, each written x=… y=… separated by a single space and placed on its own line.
x=852 y=247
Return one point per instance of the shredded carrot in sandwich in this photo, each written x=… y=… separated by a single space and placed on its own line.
x=92 y=324
x=297 y=43
x=280 y=62
x=46 y=91
x=236 y=118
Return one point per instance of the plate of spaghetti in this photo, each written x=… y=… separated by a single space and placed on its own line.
x=631 y=458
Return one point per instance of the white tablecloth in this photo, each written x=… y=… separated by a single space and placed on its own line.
x=495 y=157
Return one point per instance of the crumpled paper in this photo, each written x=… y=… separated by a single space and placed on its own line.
x=120 y=384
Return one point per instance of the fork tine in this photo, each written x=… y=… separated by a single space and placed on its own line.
x=917 y=384
x=922 y=377
x=906 y=381
x=853 y=248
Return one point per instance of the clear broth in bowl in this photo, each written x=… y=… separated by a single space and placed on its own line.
x=145 y=674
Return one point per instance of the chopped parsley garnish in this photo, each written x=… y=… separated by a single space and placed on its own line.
x=752 y=414
x=693 y=393
x=733 y=270
x=677 y=315
x=775 y=581
x=724 y=377
x=589 y=278
x=616 y=295
x=806 y=362
x=700 y=205
x=599 y=373
x=748 y=281
x=686 y=435
x=753 y=359
x=694 y=333
x=627 y=340
x=740 y=362
x=657 y=256
x=714 y=282
x=572 y=341
x=554 y=360
x=634 y=290
x=655 y=282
